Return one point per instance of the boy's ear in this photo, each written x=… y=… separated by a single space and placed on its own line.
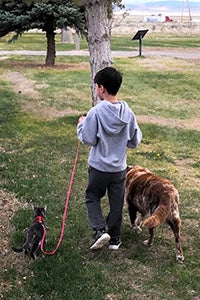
x=102 y=88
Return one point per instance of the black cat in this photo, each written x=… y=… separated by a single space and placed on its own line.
x=34 y=234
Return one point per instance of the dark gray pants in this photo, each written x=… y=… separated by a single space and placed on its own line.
x=98 y=183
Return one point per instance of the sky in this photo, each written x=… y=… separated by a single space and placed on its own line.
x=145 y=1
x=182 y=2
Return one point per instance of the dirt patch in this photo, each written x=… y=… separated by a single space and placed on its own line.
x=193 y=124
x=187 y=173
x=58 y=66
x=30 y=88
x=8 y=207
x=52 y=113
x=112 y=297
x=130 y=23
x=22 y=85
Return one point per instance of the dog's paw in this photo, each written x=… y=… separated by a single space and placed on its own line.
x=146 y=243
x=137 y=229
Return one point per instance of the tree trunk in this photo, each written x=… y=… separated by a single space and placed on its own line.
x=66 y=35
x=99 y=21
x=77 y=41
x=51 y=48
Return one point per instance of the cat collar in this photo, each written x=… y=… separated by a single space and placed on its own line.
x=39 y=219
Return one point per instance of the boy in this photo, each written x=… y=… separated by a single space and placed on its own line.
x=108 y=128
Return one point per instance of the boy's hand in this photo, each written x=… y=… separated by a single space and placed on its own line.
x=82 y=118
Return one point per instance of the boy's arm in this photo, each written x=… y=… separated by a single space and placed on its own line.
x=87 y=129
x=136 y=136
x=134 y=142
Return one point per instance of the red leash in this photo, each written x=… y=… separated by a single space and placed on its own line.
x=65 y=210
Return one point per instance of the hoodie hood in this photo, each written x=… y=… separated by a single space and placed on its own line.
x=113 y=117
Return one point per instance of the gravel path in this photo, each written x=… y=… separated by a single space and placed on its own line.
x=186 y=54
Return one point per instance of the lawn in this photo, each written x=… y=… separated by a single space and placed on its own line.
x=118 y=42
x=39 y=109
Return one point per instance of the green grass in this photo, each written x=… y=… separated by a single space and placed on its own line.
x=37 y=41
x=38 y=146
x=125 y=42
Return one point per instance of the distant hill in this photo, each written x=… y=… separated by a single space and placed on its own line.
x=166 y=6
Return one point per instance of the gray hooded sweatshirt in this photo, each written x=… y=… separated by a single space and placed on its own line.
x=109 y=128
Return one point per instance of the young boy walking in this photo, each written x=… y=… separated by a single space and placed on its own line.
x=109 y=127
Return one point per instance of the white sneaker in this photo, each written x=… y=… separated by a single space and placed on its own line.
x=114 y=245
x=101 y=238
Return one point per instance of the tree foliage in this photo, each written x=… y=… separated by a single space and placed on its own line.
x=93 y=17
x=19 y=16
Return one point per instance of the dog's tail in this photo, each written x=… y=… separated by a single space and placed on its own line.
x=18 y=250
x=158 y=217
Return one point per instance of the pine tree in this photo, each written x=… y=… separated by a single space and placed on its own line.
x=20 y=16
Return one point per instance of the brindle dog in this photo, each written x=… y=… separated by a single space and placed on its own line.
x=154 y=200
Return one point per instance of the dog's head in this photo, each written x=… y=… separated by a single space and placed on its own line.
x=136 y=169
x=132 y=172
x=128 y=168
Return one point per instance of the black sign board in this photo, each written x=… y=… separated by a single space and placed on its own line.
x=139 y=36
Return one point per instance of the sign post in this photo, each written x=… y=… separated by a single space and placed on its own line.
x=139 y=36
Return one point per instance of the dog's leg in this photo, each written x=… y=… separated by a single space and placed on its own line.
x=132 y=212
x=175 y=226
x=149 y=241
x=137 y=224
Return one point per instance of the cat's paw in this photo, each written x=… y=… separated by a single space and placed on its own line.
x=147 y=243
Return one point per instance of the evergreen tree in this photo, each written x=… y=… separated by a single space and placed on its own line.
x=93 y=17
x=19 y=16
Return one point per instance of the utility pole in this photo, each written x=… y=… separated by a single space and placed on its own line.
x=189 y=12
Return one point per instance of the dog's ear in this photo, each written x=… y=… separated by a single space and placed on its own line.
x=128 y=168
x=45 y=208
x=32 y=206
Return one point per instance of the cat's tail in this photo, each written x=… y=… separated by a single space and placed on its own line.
x=18 y=249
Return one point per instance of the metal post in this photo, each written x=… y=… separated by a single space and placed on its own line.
x=140 y=45
x=139 y=36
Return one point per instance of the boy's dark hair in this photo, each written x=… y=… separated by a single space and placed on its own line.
x=110 y=78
